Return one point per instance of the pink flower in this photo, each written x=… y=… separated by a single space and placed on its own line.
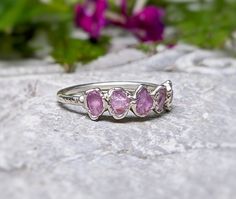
x=147 y=24
x=90 y=16
x=123 y=6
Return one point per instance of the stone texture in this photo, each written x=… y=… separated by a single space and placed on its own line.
x=160 y=99
x=95 y=103
x=119 y=102
x=144 y=102
x=49 y=152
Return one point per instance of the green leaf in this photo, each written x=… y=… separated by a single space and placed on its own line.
x=68 y=51
x=11 y=13
x=201 y=22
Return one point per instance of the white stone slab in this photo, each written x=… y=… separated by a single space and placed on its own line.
x=49 y=152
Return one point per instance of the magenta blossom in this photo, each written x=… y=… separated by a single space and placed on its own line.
x=90 y=16
x=123 y=6
x=147 y=24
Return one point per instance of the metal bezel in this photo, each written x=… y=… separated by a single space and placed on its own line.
x=110 y=92
x=156 y=95
x=93 y=117
x=134 y=104
x=169 y=95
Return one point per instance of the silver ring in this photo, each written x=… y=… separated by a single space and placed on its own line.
x=119 y=97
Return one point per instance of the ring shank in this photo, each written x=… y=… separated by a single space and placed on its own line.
x=73 y=94
x=104 y=86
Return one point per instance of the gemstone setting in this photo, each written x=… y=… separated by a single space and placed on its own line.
x=160 y=99
x=94 y=103
x=144 y=102
x=118 y=103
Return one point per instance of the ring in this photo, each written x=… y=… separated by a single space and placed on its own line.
x=119 y=97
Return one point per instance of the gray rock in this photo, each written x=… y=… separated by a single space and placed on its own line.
x=49 y=152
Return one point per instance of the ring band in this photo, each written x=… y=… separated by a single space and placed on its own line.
x=119 y=97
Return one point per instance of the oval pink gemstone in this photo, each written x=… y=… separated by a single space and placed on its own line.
x=161 y=99
x=144 y=102
x=95 y=103
x=119 y=101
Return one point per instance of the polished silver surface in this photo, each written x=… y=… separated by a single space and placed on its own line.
x=76 y=95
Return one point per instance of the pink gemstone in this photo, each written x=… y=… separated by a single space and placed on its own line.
x=144 y=102
x=161 y=99
x=95 y=103
x=119 y=101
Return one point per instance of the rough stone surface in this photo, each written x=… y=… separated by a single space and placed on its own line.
x=49 y=152
x=160 y=98
x=95 y=103
x=119 y=102
x=144 y=102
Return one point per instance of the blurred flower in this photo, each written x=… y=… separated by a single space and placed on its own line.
x=123 y=6
x=147 y=24
x=90 y=16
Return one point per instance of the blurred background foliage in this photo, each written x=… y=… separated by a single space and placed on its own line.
x=26 y=26
x=205 y=23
